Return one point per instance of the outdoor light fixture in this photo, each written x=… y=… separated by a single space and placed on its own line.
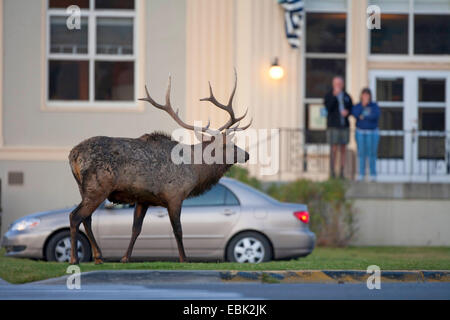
x=276 y=72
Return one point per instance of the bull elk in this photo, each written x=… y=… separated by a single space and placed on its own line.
x=140 y=171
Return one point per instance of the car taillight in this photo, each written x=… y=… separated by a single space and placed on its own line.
x=303 y=216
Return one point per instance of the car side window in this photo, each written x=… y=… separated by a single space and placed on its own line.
x=216 y=196
x=230 y=199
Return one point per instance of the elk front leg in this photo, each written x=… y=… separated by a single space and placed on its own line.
x=174 y=215
x=139 y=214
x=96 y=250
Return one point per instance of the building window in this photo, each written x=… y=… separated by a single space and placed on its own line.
x=390 y=89
x=391 y=144
x=325 y=57
x=389 y=94
x=62 y=4
x=96 y=63
x=320 y=73
x=114 y=4
x=412 y=27
x=68 y=80
x=114 y=80
x=65 y=41
x=431 y=90
x=432 y=138
x=392 y=38
x=325 y=32
x=431 y=112
x=431 y=34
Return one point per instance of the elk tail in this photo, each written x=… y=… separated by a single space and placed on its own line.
x=75 y=166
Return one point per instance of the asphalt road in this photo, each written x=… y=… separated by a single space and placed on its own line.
x=227 y=291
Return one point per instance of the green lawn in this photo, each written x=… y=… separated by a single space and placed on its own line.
x=387 y=258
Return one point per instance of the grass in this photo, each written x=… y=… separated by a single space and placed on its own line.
x=16 y=270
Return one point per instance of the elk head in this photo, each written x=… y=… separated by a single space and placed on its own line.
x=221 y=137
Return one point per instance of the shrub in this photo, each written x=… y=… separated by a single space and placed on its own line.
x=332 y=215
x=243 y=175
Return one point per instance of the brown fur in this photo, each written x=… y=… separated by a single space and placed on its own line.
x=141 y=171
x=137 y=171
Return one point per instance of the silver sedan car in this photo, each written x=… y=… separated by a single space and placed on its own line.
x=231 y=222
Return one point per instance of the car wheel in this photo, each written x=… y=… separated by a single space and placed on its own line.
x=249 y=247
x=58 y=248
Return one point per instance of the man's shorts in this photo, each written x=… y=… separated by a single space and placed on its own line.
x=338 y=135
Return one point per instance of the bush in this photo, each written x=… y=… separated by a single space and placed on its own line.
x=243 y=175
x=332 y=215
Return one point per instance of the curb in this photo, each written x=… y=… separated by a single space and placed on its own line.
x=334 y=276
x=146 y=277
x=139 y=277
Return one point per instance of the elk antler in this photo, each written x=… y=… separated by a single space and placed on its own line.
x=233 y=123
x=168 y=108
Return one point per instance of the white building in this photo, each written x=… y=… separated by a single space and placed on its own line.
x=60 y=86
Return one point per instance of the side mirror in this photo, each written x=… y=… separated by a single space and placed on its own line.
x=109 y=205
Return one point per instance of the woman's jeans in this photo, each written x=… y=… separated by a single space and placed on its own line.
x=367 y=141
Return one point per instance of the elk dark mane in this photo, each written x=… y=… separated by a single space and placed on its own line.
x=156 y=136
x=217 y=171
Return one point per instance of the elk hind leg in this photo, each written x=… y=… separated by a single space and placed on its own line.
x=75 y=220
x=95 y=248
x=78 y=215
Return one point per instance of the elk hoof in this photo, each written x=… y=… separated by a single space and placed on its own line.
x=98 y=261
x=74 y=262
x=124 y=260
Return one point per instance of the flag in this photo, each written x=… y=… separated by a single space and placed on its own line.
x=293 y=20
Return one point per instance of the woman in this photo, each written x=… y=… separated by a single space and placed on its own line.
x=367 y=114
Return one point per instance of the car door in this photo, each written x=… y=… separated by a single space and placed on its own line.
x=114 y=230
x=207 y=221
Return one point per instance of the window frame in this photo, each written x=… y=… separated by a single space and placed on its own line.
x=318 y=55
x=137 y=58
x=410 y=55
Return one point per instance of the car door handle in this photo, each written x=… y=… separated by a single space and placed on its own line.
x=229 y=212
x=161 y=214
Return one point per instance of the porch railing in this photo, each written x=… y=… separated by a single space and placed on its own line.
x=404 y=155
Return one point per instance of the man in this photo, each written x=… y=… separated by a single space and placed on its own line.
x=339 y=106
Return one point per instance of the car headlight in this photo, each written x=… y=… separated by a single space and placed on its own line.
x=25 y=224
